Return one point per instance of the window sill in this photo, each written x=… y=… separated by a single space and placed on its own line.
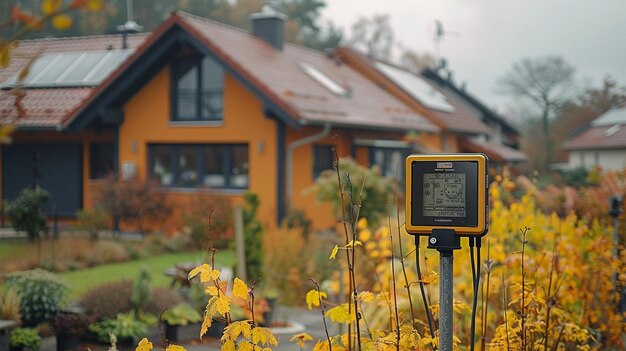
x=174 y=123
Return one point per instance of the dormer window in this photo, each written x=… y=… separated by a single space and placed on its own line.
x=197 y=89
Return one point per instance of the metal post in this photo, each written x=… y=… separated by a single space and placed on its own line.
x=445 y=300
x=240 y=247
x=445 y=241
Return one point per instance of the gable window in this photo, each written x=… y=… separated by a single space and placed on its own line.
x=197 y=89
x=323 y=159
x=218 y=166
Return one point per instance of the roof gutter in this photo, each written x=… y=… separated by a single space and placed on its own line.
x=289 y=159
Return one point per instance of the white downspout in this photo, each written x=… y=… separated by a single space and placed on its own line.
x=289 y=159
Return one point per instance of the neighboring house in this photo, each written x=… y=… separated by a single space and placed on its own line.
x=198 y=104
x=602 y=143
x=467 y=125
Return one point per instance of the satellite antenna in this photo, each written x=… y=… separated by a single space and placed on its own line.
x=440 y=33
x=130 y=27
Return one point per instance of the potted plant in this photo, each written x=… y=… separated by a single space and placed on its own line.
x=23 y=339
x=179 y=315
x=69 y=328
x=125 y=326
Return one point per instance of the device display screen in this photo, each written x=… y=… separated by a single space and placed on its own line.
x=444 y=195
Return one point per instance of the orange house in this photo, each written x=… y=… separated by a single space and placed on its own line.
x=195 y=105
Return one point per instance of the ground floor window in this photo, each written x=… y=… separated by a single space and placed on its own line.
x=323 y=158
x=390 y=160
x=222 y=166
x=101 y=160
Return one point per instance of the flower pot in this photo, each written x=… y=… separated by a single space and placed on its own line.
x=216 y=330
x=171 y=332
x=67 y=342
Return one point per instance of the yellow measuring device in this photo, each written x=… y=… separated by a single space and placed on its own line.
x=447 y=191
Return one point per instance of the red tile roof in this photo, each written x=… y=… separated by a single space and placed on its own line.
x=496 y=152
x=464 y=118
x=598 y=138
x=276 y=73
x=279 y=74
x=50 y=107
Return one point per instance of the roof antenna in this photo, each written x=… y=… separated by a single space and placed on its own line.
x=130 y=26
x=440 y=32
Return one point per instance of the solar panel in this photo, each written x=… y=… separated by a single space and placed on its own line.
x=416 y=87
x=70 y=69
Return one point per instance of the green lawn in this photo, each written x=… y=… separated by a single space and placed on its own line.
x=82 y=280
x=12 y=247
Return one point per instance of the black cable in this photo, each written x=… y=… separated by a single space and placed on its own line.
x=429 y=316
x=475 y=278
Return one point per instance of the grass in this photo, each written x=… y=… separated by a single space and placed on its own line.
x=82 y=280
x=12 y=247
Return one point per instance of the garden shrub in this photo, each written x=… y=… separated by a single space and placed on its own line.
x=41 y=293
x=287 y=257
x=10 y=305
x=107 y=300
x=208 y=217
x=92 y=221
x=107 y=251
x=253 y=236
x=25 y=338
x=162 y=298
x=132 y=201
x=378 y=190
x=125 y=326
x=72 y=324
x=25 y=211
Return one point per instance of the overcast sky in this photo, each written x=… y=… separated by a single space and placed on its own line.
x=492 y=34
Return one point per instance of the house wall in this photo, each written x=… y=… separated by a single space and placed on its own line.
x=608 y=160
x=147 y=120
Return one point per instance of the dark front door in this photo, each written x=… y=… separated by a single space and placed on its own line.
x=54 y=167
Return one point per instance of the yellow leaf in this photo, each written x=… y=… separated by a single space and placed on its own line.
x=362 y=223
x=365 y=234
x=222 y=304
x=333 y=253
x=341 y=314
x=240 y=289
x=313 y=298
x=50 y=6
x=5 y=56
x=353 y=243
x=172 y=347
x=206 y=273
x=366 y=296
x=62 y=22
x=263 y=336
x=246 y=346
x=144 y=345
x=228 y=345
x=94 y=5
x=211 y=290
x=430 y=278
x=301 y=338
x=235 y=329
x=206 y=324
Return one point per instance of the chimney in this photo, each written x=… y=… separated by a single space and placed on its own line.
x=269 y=25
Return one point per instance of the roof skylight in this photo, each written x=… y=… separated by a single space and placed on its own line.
x=71 y=69
x=324 y=80
x=417 y=87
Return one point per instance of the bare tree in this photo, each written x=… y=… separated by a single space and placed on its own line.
x=546 y=82
x=373 y=35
